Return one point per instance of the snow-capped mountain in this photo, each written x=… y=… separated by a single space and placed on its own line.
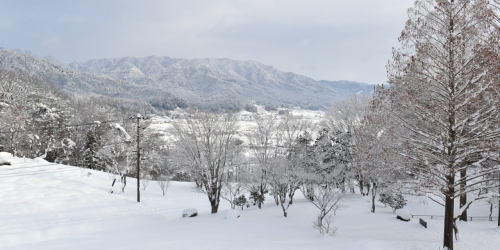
x=203 y=82
x=74 y=81
x=209 y=80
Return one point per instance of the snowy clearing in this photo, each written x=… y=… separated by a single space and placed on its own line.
x=51 y=206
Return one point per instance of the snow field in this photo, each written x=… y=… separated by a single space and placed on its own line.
x=72 y=210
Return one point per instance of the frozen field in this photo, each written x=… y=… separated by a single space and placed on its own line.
x=50 y=206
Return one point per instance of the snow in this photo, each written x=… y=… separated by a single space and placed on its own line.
x=52 y=206
x=404 y=214
x=232 y=214
x=189 y=212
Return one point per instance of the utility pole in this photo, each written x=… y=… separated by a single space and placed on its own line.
x=138 y=117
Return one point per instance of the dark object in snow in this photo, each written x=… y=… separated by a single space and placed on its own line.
x=423 y=223
x=189 y=212
x=232 y=214
x=112 y=184
x=399 y=217
x=2 y=163
x=403 y=215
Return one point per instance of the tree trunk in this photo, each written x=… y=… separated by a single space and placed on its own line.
x=12 y=145
x=291 y=194
x=276 y=199
x=284 y=210
x=261 y=193
x=463 y=196
x=499 y=205
x=374 y=194
x=448 y=222
x=361 y=187
x=215 y=206
x=491 y=212
x=124 y=183
x=455 y=229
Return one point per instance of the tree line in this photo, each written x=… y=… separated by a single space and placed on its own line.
x=37 y=120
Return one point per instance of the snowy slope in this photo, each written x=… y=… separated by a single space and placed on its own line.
x=50 y=206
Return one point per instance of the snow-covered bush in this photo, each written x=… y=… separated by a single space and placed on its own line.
x=189 y=212
x=403 y=214
x=145 y=181
x=326 y=197
x=230 y=192
x=395 y=201
x=240 y=201
x=323 y=224
x=164 y=183
x=3 y=162
x=257 y=198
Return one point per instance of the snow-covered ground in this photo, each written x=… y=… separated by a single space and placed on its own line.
x=50 y=206
x=245 y=122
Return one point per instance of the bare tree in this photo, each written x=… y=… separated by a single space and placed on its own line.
x=233 y=184
x=444 y=94
x=164 y=183
x=117 y=152
x=207 y=141
x=326 y=197
x=264 y=143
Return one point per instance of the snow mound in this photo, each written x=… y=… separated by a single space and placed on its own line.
x=403 y=214
x=4 y=160
x=232 y=214
x=39 y=160
x=189 y=212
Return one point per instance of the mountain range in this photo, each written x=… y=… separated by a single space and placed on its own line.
x=166 y=82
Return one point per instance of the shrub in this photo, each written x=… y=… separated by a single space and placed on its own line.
x=257 y=198
x=240 y=201
x=395 y=201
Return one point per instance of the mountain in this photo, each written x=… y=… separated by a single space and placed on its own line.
x=207 y=83
x=79 y=83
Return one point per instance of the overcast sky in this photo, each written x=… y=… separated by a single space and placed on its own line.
x=322 y=39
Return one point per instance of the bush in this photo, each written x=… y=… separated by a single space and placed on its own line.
x=240 y=201
x=395 y=201
x=257 y=198
x=182 y=177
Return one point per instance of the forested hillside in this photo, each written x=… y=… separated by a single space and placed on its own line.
x=166 y=83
